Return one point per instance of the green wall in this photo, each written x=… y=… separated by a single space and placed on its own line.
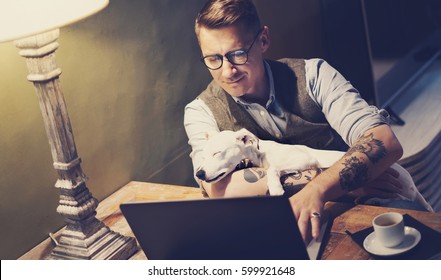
x=127 y=74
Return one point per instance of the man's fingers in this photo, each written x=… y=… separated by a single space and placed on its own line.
x=315 y=225
x=304 y=227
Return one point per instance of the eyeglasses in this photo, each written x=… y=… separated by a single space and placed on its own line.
x=237 y=57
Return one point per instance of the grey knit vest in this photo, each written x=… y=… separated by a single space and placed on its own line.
x=306 y=124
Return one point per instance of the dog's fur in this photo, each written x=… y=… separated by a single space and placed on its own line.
x=224 y=151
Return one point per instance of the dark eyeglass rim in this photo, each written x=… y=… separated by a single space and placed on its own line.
x=227 y=55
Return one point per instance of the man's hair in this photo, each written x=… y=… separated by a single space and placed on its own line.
x=223 y=13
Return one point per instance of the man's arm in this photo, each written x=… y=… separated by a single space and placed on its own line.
x=245 y=182
x=253 y=182
x=370 y=156
x=198 y=120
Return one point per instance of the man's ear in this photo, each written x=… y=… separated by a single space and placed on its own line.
x=264 y=39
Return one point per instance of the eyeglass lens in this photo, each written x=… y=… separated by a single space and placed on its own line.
x=238 y=57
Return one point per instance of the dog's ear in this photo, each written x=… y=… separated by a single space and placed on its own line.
x=247 y=138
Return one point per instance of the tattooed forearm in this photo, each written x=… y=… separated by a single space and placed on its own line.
x=252 y=175
x=353 y=174
x=297 y=175
x=373 y=148
x=294 y=182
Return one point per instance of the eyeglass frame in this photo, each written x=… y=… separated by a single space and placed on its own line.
x=228 y=54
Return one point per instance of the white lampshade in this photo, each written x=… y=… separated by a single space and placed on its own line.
x=23 y=18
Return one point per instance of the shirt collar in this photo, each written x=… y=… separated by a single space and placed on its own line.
x=272 y=96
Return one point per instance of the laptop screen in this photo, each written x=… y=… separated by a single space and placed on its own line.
x=248 y=228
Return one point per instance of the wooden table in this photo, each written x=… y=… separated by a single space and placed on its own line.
x=339 y=247
x=355 y=218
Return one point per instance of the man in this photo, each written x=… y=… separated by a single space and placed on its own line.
x=291 y=101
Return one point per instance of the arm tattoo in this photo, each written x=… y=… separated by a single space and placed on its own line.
x=296 y=175
x=353 y=174
x=373 y=148
x=304 y=176
x=294 y=182
x=355 y=171
x=293 y=187
x=252 y=175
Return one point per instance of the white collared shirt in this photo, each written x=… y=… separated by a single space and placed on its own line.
x=271 y=117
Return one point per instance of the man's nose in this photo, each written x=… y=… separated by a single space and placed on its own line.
x=228 y=69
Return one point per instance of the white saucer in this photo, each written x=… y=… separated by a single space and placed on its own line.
x=411 y=239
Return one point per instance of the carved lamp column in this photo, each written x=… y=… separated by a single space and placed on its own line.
x=84 y=237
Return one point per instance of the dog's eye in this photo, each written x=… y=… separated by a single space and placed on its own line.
x=216 y=153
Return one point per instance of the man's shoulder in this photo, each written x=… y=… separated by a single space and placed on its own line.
x=291 y=60
x=285 y=61
x=206 y=97
x=212 y=92
x=197 y=110
x=286 y=65
x=195 y=103
x=311 y=67
x=298 y=61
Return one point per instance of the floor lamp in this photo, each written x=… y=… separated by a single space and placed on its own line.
x=34 y=26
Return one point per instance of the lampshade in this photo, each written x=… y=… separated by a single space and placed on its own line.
x=23 y=18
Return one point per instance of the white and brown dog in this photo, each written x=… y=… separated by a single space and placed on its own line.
x=225 y=150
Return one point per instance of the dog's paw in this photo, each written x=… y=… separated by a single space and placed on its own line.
x=276 y=190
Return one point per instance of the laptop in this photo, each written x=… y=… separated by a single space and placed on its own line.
x=247 y=228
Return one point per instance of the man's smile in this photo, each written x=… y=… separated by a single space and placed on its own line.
x=234 y=81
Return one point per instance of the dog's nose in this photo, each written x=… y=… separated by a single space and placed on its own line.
x=200 y=174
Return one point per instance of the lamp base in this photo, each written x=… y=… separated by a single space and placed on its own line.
x=105 y=244
x=85 y=237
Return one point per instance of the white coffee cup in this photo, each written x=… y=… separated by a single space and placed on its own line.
x=389 y=229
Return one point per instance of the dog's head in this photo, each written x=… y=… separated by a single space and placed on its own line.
x=223 y=152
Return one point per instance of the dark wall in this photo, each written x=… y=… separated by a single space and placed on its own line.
x=330 y=29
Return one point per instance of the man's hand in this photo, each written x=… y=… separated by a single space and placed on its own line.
x=386 y=185
x=304 y=204
x=309 y=201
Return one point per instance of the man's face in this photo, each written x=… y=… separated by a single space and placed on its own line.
x=245 y=80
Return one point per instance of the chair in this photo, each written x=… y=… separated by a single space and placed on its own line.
x=425 y=169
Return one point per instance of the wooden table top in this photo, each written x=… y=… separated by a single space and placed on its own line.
x=359 y=217
x=340 y=245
